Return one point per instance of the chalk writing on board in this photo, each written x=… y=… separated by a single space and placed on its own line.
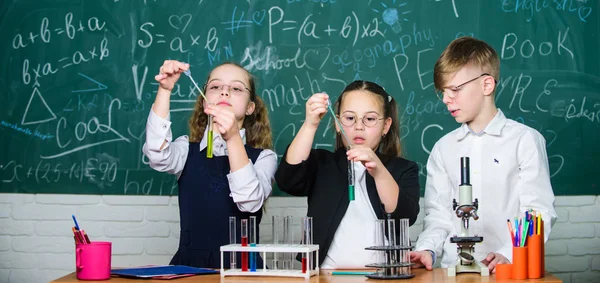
x=81 y=80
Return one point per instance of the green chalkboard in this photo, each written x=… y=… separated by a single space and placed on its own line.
x=78 y=77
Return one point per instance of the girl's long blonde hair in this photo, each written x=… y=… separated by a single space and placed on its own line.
x=257 y=124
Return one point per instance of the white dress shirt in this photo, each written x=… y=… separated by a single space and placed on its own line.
x=250 y=186
x=356 y=230
x=509 y=175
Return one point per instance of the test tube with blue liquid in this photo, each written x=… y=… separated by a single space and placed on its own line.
x=350 y=162
x=253 y=243
x=209 y=138
x=232 y=236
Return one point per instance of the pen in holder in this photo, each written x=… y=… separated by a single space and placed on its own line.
x=535 y=252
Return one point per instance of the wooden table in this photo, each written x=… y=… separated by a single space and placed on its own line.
x=422 y=275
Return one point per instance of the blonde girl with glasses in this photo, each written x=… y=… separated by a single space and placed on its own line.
x=385 y=183
x=236 y=181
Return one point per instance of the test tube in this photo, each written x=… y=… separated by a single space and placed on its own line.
x=209 y=153
x=380 y=242
x=307 y=239
x=232 y=240
x=276 y=228
x=244 y=237
x=404 y=242
x=391 y=233
x=288 y=238
x=209 y=138
x=350 y=179
x=253 y=243
x=350 y=163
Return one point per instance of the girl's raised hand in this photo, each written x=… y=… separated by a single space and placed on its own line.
x=367 y=157
x=169 y=73
x=316 y=107
x=223 y=120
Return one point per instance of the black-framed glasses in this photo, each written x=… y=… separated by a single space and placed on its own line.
x=234 y=88
x=349 y=120
x=453 y=92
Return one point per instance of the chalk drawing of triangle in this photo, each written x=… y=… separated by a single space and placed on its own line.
x=99 y=86
x=39 y=98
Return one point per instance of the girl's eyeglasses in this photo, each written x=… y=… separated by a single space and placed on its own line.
x=369 y=120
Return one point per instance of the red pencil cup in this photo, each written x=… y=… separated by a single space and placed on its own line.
x=504 y=271
x=534 y=255
x=93 y=260
x=519 y=263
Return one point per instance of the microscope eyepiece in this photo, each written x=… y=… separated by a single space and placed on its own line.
x=465 y=178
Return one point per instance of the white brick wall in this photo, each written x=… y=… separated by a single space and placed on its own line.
x=36 y=242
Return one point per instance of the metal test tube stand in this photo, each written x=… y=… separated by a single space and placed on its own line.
x=394 y=262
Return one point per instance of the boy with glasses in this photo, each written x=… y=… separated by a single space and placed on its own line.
x=509 y=165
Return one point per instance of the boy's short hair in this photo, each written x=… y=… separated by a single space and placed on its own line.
x=465 y=51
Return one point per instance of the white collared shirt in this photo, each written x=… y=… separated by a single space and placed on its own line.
x=250 y=186
x=509 y=175
x=356 y=230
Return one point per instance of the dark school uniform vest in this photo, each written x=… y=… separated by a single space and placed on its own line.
x=204 y=210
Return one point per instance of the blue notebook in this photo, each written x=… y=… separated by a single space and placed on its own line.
x=165 y=271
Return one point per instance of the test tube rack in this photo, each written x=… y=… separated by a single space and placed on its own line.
x=388 y=269
x=263 y=249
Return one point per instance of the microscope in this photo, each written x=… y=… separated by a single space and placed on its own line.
x=465 y=209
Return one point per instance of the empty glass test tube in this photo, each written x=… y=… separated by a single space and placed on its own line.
x=276 y=226
x=232 y=240
x=288 y=239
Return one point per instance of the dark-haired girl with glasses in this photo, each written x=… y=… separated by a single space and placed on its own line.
x=385 y=183
x=235 y=181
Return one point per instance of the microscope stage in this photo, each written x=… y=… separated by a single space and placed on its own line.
x=474 y=239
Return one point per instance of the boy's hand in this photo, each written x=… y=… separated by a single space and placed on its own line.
x=316 y=107
x=169 y=73
x=493 y=259
x=421 y=259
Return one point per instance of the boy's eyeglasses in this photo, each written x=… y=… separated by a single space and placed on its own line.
x=369 y=121
x=453 y=92
x=234 y=88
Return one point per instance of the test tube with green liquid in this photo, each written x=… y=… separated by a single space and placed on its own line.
x=350 y=162
x=209 y=146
